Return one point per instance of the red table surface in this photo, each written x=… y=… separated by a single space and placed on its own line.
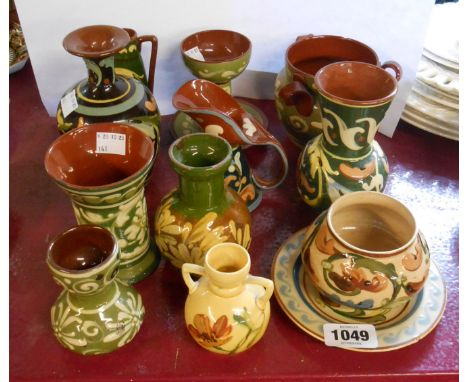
x=424 y=174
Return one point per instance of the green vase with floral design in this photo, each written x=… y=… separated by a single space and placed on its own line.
x=202 y=211
x=105 y=96
x=353 y=98
x=95 y=313
x=107 y=188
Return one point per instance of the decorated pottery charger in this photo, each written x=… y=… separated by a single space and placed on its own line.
x=305 y=307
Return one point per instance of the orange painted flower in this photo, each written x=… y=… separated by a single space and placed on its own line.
x=248 y=193
x=352 y=278
x=412 y=261
x=208 y=336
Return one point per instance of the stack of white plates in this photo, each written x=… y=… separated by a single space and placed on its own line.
x=433 y=102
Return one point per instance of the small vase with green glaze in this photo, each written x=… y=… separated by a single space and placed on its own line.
x=105 y=96
x=107 y=188
x=95 y=313
x=201 y=212
x=129 y=63
x=353 y=98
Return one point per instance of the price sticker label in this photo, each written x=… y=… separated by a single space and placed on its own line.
x=350 y=335
x=110 y=143
x=68 y=103
x=195 y=53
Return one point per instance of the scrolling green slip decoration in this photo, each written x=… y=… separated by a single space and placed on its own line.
x=106 y=96
x=353 y=98
x=295 y=89
x=107 y=189
x=95 y=313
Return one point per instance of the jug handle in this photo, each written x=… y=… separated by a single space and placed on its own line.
x=262 y=137
x=266 y=184
x=262 y=300
x=296 y=94
x=154 y=52
x=395 y=66
x=188 y=269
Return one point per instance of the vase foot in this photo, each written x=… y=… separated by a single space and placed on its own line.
x=139 y=270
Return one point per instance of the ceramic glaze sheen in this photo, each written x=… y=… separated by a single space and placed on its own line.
x=295 y=89
x=353 y=98
x=108 y=189
x=129 y=63
x=225 y=55
x=227 y=311
x=106 y=96
x=311 y=66
x=202 y=212
x=95 y=313
x=219 y=114
x=366 y=257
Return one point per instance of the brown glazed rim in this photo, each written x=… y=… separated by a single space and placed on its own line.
x=347 y=101
x=215 y=61
x=100 y=266
x=101 y=125
x=298 y=42
x=122 y=39
x=378 y=254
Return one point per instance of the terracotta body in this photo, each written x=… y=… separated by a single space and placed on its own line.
x=202 y=212
x=219 y=114
x=227 y=311
x=107 y=189
x=95 y=313
x=353 y=98
x=294 y=87
x=106 y=96
x=366 y=257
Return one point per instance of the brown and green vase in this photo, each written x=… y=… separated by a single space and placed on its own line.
x=95 y=313
x=107 y=189
x=201 y=212
x=353 y=98
x=295 y=88
x=106 y=96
